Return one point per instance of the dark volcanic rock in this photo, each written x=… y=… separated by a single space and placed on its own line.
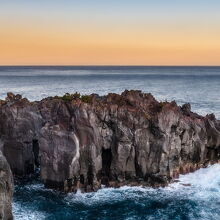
x=20 y=123
x=112 y=140
x=6 y=189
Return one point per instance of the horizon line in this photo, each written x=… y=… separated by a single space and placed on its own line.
x=103 y=65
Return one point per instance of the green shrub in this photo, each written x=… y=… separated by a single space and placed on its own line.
x=86 y=98
x=69 y=97
x=76 y=95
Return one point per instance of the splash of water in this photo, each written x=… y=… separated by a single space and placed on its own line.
x=195 y=196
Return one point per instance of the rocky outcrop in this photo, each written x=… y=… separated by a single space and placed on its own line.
x=6 y=189
x=83 y=142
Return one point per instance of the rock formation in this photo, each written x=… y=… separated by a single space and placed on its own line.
x=6 y=189
x=83 y=142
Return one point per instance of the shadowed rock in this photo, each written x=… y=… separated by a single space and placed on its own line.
x=83 y=142
x=6 y=189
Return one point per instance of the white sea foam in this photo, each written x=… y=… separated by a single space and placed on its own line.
x=201 y=188
x=24 y=214
x=202 y=184
x=205 y=178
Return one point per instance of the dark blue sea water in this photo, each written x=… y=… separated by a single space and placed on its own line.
x=199 y=86
x=199 y=201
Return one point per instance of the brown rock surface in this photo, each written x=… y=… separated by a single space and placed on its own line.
x=112 y=140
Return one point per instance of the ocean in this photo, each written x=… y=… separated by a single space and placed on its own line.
x=196 y=196
x=197 y=85
x=179 y=201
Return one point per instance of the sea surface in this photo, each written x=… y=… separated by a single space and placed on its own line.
x=200 y=86
x=195 y=197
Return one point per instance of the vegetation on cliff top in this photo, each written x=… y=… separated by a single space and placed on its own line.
x=69 y=97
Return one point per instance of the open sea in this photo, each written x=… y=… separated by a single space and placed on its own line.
x=196 y=196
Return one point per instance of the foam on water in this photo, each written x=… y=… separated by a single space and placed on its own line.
x=195 y=196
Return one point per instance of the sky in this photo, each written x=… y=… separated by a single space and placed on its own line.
x=110 y=32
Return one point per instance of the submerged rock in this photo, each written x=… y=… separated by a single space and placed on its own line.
x=84 y=142
x=6 y=189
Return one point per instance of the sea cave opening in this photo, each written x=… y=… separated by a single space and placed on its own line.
x=35 y=149
x=106 y=164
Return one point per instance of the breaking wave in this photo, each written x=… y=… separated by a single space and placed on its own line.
x=194 y=196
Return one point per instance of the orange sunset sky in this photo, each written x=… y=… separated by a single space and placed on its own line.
x=110 y=32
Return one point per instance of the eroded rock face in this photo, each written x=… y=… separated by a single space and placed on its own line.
x=6 y=189
x=112 y=140
x=20 y=123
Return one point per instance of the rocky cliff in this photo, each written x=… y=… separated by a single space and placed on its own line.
x=6 y=189
x=83 y=142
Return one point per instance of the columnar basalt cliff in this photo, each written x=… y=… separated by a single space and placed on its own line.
x=6 y=189
x=83 y=142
